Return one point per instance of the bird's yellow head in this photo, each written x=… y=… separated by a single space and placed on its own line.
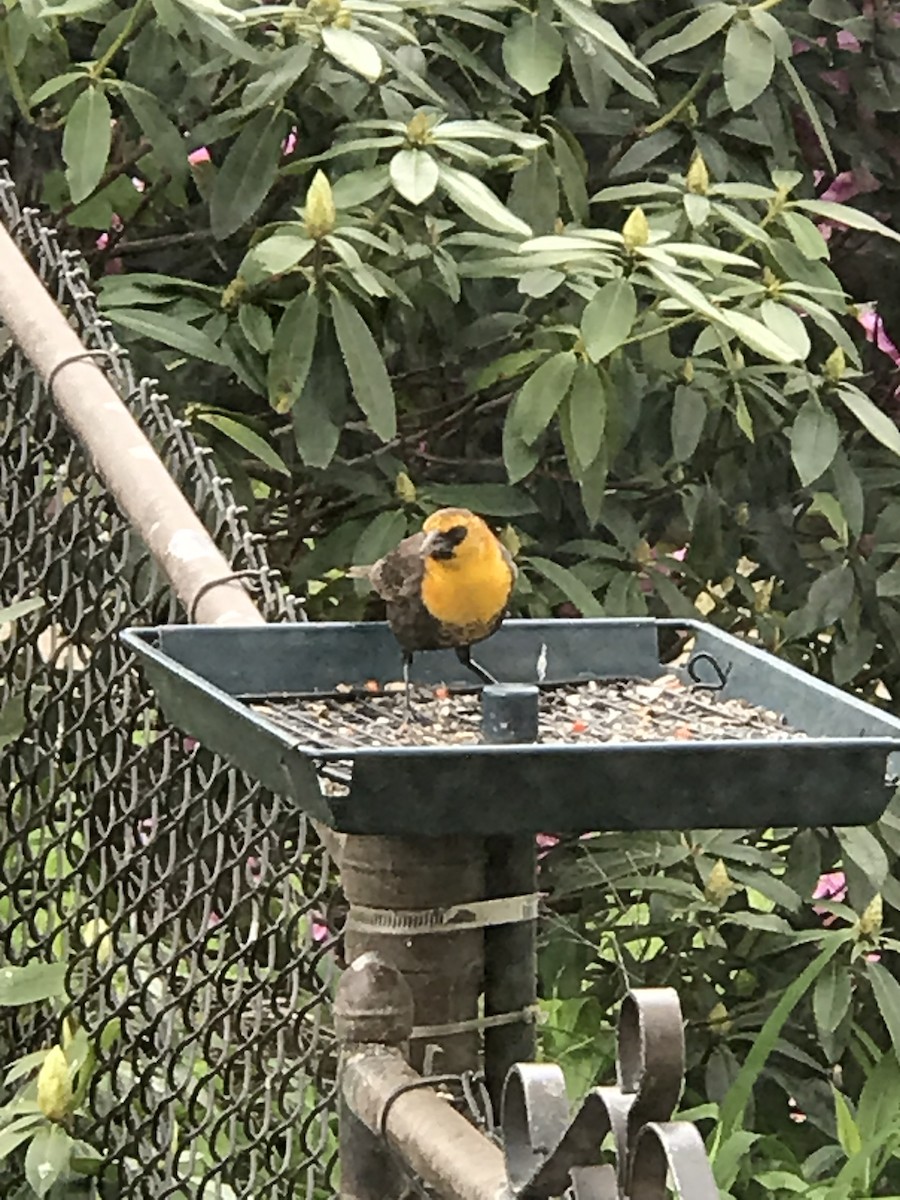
x=468 y=576
x=456 y=536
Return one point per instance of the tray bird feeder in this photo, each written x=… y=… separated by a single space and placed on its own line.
x=266 y=698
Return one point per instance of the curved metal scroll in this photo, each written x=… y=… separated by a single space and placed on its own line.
x=550 y=1151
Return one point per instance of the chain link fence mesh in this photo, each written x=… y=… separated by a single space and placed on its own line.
x=187 y=900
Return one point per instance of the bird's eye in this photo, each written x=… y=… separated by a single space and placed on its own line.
x=456 y=534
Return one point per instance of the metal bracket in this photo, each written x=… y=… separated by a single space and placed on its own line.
x=550 y=1151
x=475 y=914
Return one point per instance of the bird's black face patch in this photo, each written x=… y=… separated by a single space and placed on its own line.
x=447 y=541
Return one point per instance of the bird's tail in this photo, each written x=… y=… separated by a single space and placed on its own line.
x=358 y=572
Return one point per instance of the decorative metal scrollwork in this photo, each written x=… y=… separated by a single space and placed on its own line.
x=549 y=1151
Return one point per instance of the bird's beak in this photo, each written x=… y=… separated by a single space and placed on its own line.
x=430 y=541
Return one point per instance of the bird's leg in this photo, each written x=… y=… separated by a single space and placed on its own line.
x=464 y=654
x=407 y=690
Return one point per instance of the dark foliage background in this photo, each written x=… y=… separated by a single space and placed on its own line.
x=589 y=271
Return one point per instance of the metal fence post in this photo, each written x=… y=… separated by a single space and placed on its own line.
x=510 y=714
x=373 y=1007
x=383 y=878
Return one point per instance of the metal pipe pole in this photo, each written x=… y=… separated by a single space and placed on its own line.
x=119 y=450
x=386 y=1104
x=509 y=715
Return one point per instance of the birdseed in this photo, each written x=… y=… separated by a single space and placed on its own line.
x=605 y=712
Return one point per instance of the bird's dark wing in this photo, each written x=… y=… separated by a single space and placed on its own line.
x=398 y=576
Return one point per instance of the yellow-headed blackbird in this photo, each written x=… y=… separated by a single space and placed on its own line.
x=446 y=587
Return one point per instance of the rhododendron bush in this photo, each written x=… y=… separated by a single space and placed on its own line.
x=622 y=277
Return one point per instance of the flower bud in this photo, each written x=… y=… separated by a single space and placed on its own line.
x=404 y=488
x=835 y=364
x=418 y=130
x=636 y=230
x=320 y=214
x=54 y=1085
x=698 y=175
x=718 y=886
x=870 y=922
x=718 y=1019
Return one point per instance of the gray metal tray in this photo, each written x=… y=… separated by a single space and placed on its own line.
x=205 y=677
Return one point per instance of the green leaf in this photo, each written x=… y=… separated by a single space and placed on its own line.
x=815 y=437
x=541 y=282
x=845 y=215
x=13 y=720
x=86 y=142
x=47 y=1158
x=33 y=982
x=608 y=318
x=256 y=326
x=247 y=439
x=748 y=64
x=569 y=584
x=170 y=331
x=831 y=997
x=479 y=203
x=519 y=458
x=541 y=395
x=572 y=168
x=358 y=187
x=881 y=427
x=380 y=536
x=735 y=1102
x=18 y=1131
x=886 y=990
x=689 y=412
x=247 y=174
x=490 y=499
x=292 y=351
x=704 y=26
x=365 y=366
x=278 y=77
x=758 y=336
x=533 y=53
x=787 y=325
x=806 y=235
x=54 y=85
x=582 y=16
x=847 y=1131
x=414 y=174
x=21 y=608
x=318 y=413
x=353 y=51
x=809 y=107
x=167 y=142
x=274 y=255
x=863 y=849
x=587 y=414
x=730 y=1156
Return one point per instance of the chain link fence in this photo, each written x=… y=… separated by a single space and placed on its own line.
x=189 y=902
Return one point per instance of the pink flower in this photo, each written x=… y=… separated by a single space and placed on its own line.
x=831 y=886
x=200 y=155
x=319 y=930
x=546 y=841
x=849 y=184
x=289 y=145
x=875 y=333
x=846 y=41
x=644 y=583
